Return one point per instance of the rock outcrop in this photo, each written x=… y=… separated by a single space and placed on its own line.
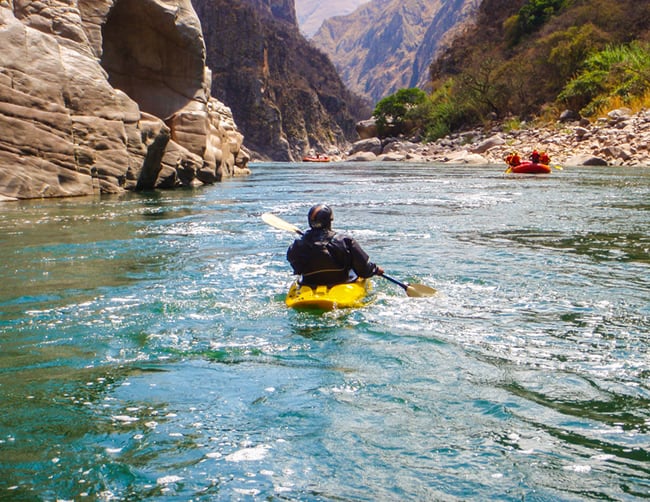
x=285 y=94
x=106 y=96
x=284 y=10
x=447 y=23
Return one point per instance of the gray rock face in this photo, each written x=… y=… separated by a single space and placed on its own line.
x=285 y=94
x=106 y=96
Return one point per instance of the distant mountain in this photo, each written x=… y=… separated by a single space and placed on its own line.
x=312 y=13
x=286 y=95
x=386 y=45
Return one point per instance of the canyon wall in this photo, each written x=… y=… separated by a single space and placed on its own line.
x=101 y=96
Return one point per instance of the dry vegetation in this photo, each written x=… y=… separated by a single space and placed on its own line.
x=531 y=59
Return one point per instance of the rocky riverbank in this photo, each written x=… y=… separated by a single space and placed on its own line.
x=619 y=139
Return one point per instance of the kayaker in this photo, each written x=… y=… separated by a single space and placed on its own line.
x=324 y=257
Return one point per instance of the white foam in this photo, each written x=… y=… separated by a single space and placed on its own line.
x=578 y=468
x=248 y=454
x=166 y=480
x=125 y=418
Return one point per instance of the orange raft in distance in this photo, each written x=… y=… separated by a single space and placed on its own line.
x=538 y=163
x=316 y=158
x=527 y=167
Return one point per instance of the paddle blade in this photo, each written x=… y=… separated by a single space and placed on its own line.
x=419 y=290
x=412 y=290
x=558 y=167
x=279 y=223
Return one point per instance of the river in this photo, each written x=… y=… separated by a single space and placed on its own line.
x=146 y=352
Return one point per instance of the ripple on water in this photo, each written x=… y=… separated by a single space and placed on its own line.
x=146 y=352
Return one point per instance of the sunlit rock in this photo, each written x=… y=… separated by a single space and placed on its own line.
x=106 y=96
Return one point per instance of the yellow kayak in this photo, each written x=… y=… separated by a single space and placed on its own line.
x=348 y=295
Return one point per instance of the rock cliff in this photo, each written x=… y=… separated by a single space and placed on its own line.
x=279 y=9
x=108 y=95
x=386 y=45
x=285 y=94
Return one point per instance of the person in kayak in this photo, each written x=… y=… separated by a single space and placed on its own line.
x=324 y=257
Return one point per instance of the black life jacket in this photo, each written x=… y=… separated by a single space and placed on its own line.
x=322 y=258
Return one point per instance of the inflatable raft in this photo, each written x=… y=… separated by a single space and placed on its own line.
x=316 y=158
x=528 y=167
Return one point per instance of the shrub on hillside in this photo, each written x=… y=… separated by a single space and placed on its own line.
x=396 y=114
x=532 y=15
x=617 y=73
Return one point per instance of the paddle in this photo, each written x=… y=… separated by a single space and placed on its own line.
x=412 y=290
x=274 y=221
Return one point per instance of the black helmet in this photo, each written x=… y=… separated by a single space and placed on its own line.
x=320 y=216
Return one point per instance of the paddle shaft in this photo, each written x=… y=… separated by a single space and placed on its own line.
x=395 y=281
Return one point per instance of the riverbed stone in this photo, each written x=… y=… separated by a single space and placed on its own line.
x=465 y=157
x=362 y=157
x=488 y=143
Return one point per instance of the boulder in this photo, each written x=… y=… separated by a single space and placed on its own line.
x=569 y=116
x=392 y=157
x=485 y=145
x=616 y=152
x=585 y=160
x=619 y=115
x=465 y=157
x=362 y=157
x=107 y=96
x=399 y=146
x=372 y=145
x=367 y=129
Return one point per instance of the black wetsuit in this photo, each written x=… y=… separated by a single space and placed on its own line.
x=325 y=257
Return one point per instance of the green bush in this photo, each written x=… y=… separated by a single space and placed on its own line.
x=397 y=113
x=445 y=111
x=618 y=72
x=532 y=15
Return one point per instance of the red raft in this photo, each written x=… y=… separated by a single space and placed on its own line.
x=316 y=158
x=538 y=163
x=528 y=167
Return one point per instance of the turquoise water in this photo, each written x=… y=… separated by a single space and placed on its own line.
x=146 y=353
